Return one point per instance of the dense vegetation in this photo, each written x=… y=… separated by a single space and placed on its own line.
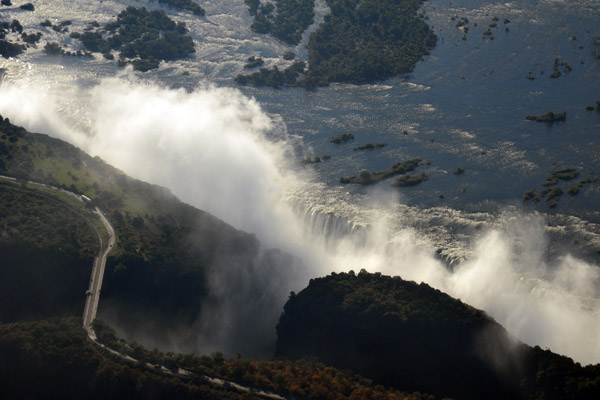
x=144 y=38
x=7 y=48
x=254 y=62
x=165 y=250
x=27 y=7
x=32 y=38
x=413 y=337
x=54 y=359
x=364 y=41
x=397 y=333
x=286 y=20
x=296 y=379
x=189 y=5
x=273 y=77
x=552 y=193
x=47 y=245
x=359 y=42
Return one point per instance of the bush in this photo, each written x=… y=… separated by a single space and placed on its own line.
x=53 y=49
x=287 y=24
x=27 y=7
x=409 y=180
x=530 y=195
x=341 y=138
x=371 y=146
x=94 y=42
x=254 y=62
x=31 y=38
x=273 y=77
x=8 y=49
x=145 y=38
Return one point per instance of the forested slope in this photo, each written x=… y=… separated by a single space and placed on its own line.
x=414 y=337
x=165 y=256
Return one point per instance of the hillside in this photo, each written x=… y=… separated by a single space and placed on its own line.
x=158 y=273
x=54 y=358
x=48 y=240
x=175 y=268
x=413 y=337
x=47 y=244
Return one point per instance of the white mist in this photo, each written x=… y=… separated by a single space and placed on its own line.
x=210 y=147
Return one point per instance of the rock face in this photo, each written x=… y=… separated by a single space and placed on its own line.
x=549 y=117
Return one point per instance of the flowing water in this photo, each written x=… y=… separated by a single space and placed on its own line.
x=463 y=106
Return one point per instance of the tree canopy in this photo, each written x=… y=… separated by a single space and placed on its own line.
x=413 y=337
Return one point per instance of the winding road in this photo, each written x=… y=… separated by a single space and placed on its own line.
x=93 y=298
x=93 y=293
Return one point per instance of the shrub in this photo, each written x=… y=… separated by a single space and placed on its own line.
x=27 y=7
x=53 y=49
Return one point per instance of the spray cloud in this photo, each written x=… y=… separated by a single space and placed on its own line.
x=210 y=148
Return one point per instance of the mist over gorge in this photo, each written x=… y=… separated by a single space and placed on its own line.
x=230 y=152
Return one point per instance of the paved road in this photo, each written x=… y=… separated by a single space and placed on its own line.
x=93 y=297
x=93 y=293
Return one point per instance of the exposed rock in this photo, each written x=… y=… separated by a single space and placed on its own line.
x=549 y=117
x=341 y=138
x=409 y=180
x=555 y=74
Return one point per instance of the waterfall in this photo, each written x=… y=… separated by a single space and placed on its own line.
x=324 y=224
